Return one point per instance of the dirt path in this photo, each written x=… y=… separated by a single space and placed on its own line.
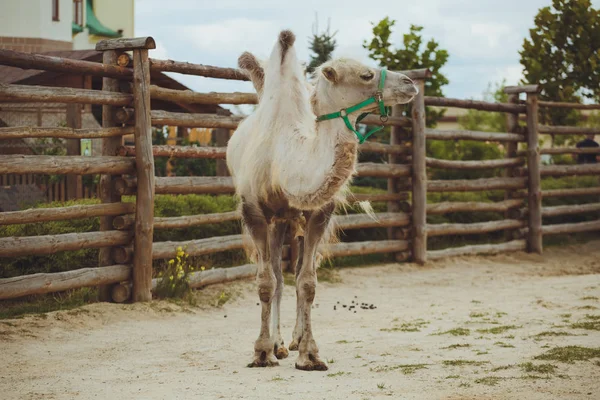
x=498 y=313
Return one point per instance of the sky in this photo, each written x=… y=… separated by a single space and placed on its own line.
x=482 y=37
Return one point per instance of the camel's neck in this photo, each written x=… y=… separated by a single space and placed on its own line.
x=332 y=155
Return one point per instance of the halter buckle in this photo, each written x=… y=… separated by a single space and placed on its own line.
x=378 y=96
x=343 y=113
x=383 y=118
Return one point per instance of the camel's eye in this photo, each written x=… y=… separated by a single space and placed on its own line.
x=367 y=76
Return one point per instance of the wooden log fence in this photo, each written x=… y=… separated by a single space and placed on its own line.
x=126 y=229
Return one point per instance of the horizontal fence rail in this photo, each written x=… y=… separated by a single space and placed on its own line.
x=25 y=132
x=42 y=94
x=21 y=164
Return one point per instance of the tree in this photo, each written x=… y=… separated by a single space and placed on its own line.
x=562 y=54
x=413 y=55
x=322 y=46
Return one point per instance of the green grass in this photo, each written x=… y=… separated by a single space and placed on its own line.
x=460 y=363
x=570 y=354
x=455 y=332
x=498 y=329
x=41 y=304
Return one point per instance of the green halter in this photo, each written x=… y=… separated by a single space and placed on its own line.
x=343 y=114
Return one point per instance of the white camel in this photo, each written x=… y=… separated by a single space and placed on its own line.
x=291 y=167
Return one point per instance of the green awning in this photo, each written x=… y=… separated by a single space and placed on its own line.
x=76 y=28
x=94 y=26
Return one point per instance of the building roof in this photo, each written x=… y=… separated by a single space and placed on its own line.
x=18 y=75
x=38 y=77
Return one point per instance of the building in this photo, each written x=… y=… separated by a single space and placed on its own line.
x=38 y=26
x=68 y=29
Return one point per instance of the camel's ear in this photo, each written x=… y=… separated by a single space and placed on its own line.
x=330 y=74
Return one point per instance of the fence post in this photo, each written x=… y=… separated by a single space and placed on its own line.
x=419 y=177
x=512 y=126
x=534 y=194
x=109 y=148
x=144 y=160
x=74 y=182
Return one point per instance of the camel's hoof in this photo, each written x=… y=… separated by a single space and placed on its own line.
x=281 y=353
x=311 y=364
x=293 y=345
x=263 y=360
x=263 y=364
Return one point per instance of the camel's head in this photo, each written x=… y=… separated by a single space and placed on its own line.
x=346 y=82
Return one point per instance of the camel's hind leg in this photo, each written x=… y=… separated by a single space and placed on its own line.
x=306 y=284
x=254 y=220
x=276 y=238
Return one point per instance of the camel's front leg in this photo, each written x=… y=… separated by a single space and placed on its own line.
x=256 y=223
x=306 y=284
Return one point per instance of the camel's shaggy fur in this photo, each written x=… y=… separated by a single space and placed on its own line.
x=289 y=172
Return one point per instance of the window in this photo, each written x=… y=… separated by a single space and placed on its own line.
x=55 y=10
x=78 y=12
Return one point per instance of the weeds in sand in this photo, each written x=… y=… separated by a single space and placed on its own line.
x=475 y=302
x=478 y=314
x=589 y=325
x=538 y=368
x=460 y=363
x=570 y=354
x=553 y=333
x=381 y=386
x=414 y=326
x=593 y=317
x=340 y=373
x=385 y=354
x=406 y=369
x=455 y=332
x=589 y=298
x=277 y=378
x=464 y=384
x=330 y=361
x=568 y=315
x=502 y=344
x=452 y=377
x=481 y=353
x=342 y=342
x=502 y=368
x=488 y=380
x=456 y=346
x=498 y=329
x=587 y=308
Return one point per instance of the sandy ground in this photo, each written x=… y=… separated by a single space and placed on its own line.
x=164 y=351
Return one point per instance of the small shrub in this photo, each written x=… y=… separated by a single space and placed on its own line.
x=174 y=279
